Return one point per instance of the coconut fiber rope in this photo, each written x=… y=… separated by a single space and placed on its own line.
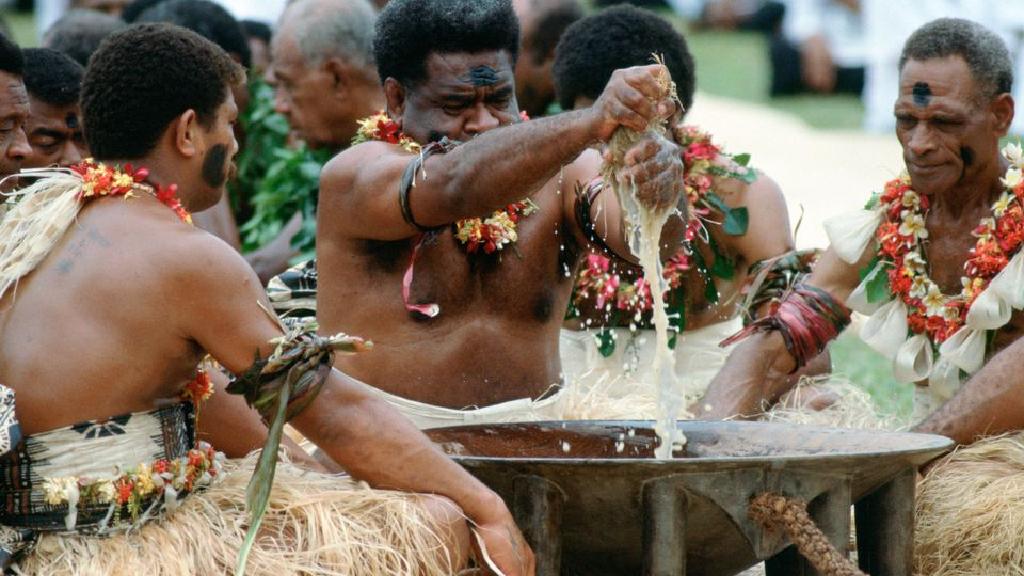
x=773 y=511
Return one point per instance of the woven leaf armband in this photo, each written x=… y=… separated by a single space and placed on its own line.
x=297 y=369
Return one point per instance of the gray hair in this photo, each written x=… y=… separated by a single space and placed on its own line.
x=984 y=52
x=80 y=32
x=326 y=28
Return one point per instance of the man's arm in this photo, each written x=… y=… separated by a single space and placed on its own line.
x=758 y=371
x=493 y=170
x=992 y=402
x=220 y=300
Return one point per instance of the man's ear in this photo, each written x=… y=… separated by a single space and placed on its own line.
x=1002 y=112
x=394 y=95
x=185 y=134
x=340 y=74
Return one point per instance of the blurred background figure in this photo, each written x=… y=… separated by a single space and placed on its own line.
x=258 y=35
x=747 y=15
x=323 y=72
x=54 y=126
x=541 y=23
x=79 y=32
x=821 y=48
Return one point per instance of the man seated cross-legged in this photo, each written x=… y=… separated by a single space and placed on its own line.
x=109 y=300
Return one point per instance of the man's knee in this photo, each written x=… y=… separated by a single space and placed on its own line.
x=451 y=523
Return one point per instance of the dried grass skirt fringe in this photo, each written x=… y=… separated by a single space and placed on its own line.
x=316 y=524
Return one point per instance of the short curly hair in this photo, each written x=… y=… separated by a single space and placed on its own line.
x=984 y=52
x=208 y=19
x=144 y=77
x=52 y=76
x=408 y=31
x=619 y=37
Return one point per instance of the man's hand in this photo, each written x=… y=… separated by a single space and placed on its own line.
x=500 y=545
x=655 y=166
x=632 y=98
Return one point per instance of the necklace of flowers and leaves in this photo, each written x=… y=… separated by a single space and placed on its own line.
x=488 y=235
x=99 y=180
x=622 y=300
x=901 y=256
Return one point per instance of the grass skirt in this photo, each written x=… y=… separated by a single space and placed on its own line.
x=970 y=511
x=315 y=524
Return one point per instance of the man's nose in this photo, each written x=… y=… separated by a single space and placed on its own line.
x=921 y=140
x=71 y=154
x=19 y=148
x=481 y=120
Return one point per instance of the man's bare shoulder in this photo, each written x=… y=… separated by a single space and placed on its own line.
x=350 y=166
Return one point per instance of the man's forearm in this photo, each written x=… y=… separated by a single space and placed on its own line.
x=500 y=167
x=992 y=402
x=755 y=375
x=373 y=442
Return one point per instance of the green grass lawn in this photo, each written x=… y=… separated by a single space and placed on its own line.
x=23 y=26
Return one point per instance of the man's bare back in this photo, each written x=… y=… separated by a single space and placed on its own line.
x=71 y=351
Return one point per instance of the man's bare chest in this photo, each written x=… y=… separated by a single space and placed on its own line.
x=527 y=278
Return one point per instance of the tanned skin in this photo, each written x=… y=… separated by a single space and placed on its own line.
x=950 y=139
x=497 y=333
x=117 y=317
x=14 y=112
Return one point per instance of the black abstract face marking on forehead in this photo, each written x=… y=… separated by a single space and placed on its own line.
x=71 y=121
x=922 y=94
x=482 y=76
x=967 y=154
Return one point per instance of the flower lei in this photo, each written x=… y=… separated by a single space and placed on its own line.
x=128 y=490
x=900 y=251
x=491 y=234
x=610 y=293
x=99 y=180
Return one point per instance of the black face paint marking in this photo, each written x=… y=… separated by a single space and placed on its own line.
x=483 y=76
x=922 y=94
x=71 y=121
x=967 y=154
x=434 y=136
x=215 y=170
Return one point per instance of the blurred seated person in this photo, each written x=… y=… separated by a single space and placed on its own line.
x=820 y=49
x=748 y=15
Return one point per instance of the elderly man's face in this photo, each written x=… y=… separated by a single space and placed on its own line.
x=14 y=111
x=463 y=95
x=948 y=130
x=301 y=93
x=55 y=135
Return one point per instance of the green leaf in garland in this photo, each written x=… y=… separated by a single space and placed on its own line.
x=723 y=267
x=736 y=220
x=876 y=282
x=605 y=342
x=710 y=290
x=742 y=159
x=872 y=202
